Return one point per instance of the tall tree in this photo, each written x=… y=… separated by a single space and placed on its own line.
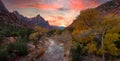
x=106 y=29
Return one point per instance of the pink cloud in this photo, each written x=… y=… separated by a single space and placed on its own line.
x=72 y=5
x=54 y=22
x=81 y=5
x=41 y=4
x=59 y=20
x=45 y=6
x=58 y=17
x=76 y=5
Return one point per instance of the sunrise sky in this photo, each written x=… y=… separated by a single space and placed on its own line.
x=57 y=12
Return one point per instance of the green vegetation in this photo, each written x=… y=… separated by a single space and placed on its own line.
x=18 y=48
x=8 y=31
x=3 y=55
x=77 y=51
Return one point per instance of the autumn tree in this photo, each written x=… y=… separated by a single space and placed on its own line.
x=86 y=20
x=90 y=25
x=84 y=23
x=109 y=31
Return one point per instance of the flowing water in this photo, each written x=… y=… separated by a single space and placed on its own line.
x=54 y=52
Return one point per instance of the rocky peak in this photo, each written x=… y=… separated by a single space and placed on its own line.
x=40 y=21
x=38 y=16
x=15 y=12
x=3 y=9
x=19 y=16
x=37 y=20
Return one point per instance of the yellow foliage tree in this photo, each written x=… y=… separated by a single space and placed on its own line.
x=107 y=28
x=84 y=22
x=92 y=48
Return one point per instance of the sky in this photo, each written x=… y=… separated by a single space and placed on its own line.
x=56 y=12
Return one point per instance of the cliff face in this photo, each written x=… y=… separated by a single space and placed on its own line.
x=3 y=9
x=110 y=7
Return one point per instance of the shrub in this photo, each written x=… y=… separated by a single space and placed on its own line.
x=19 y=48
x=3 y=55
x=77 y=51
x=117 y=43
x=1 y=37
x=14 y=31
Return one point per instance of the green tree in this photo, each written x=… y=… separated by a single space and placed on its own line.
x=3 y=55
x=18 y=48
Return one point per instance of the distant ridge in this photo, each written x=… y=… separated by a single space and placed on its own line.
x=34 y=21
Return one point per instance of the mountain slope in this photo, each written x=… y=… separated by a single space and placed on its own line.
x=3 y=9
x=39 y=21
x=35 y=21
x=112 y=6
x=16 y=19
x=8 y=18
x=22 y=18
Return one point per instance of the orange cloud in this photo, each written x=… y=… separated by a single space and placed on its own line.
x=58 y=17
x=81 y=5
x=45 y=6
x=54 y=22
